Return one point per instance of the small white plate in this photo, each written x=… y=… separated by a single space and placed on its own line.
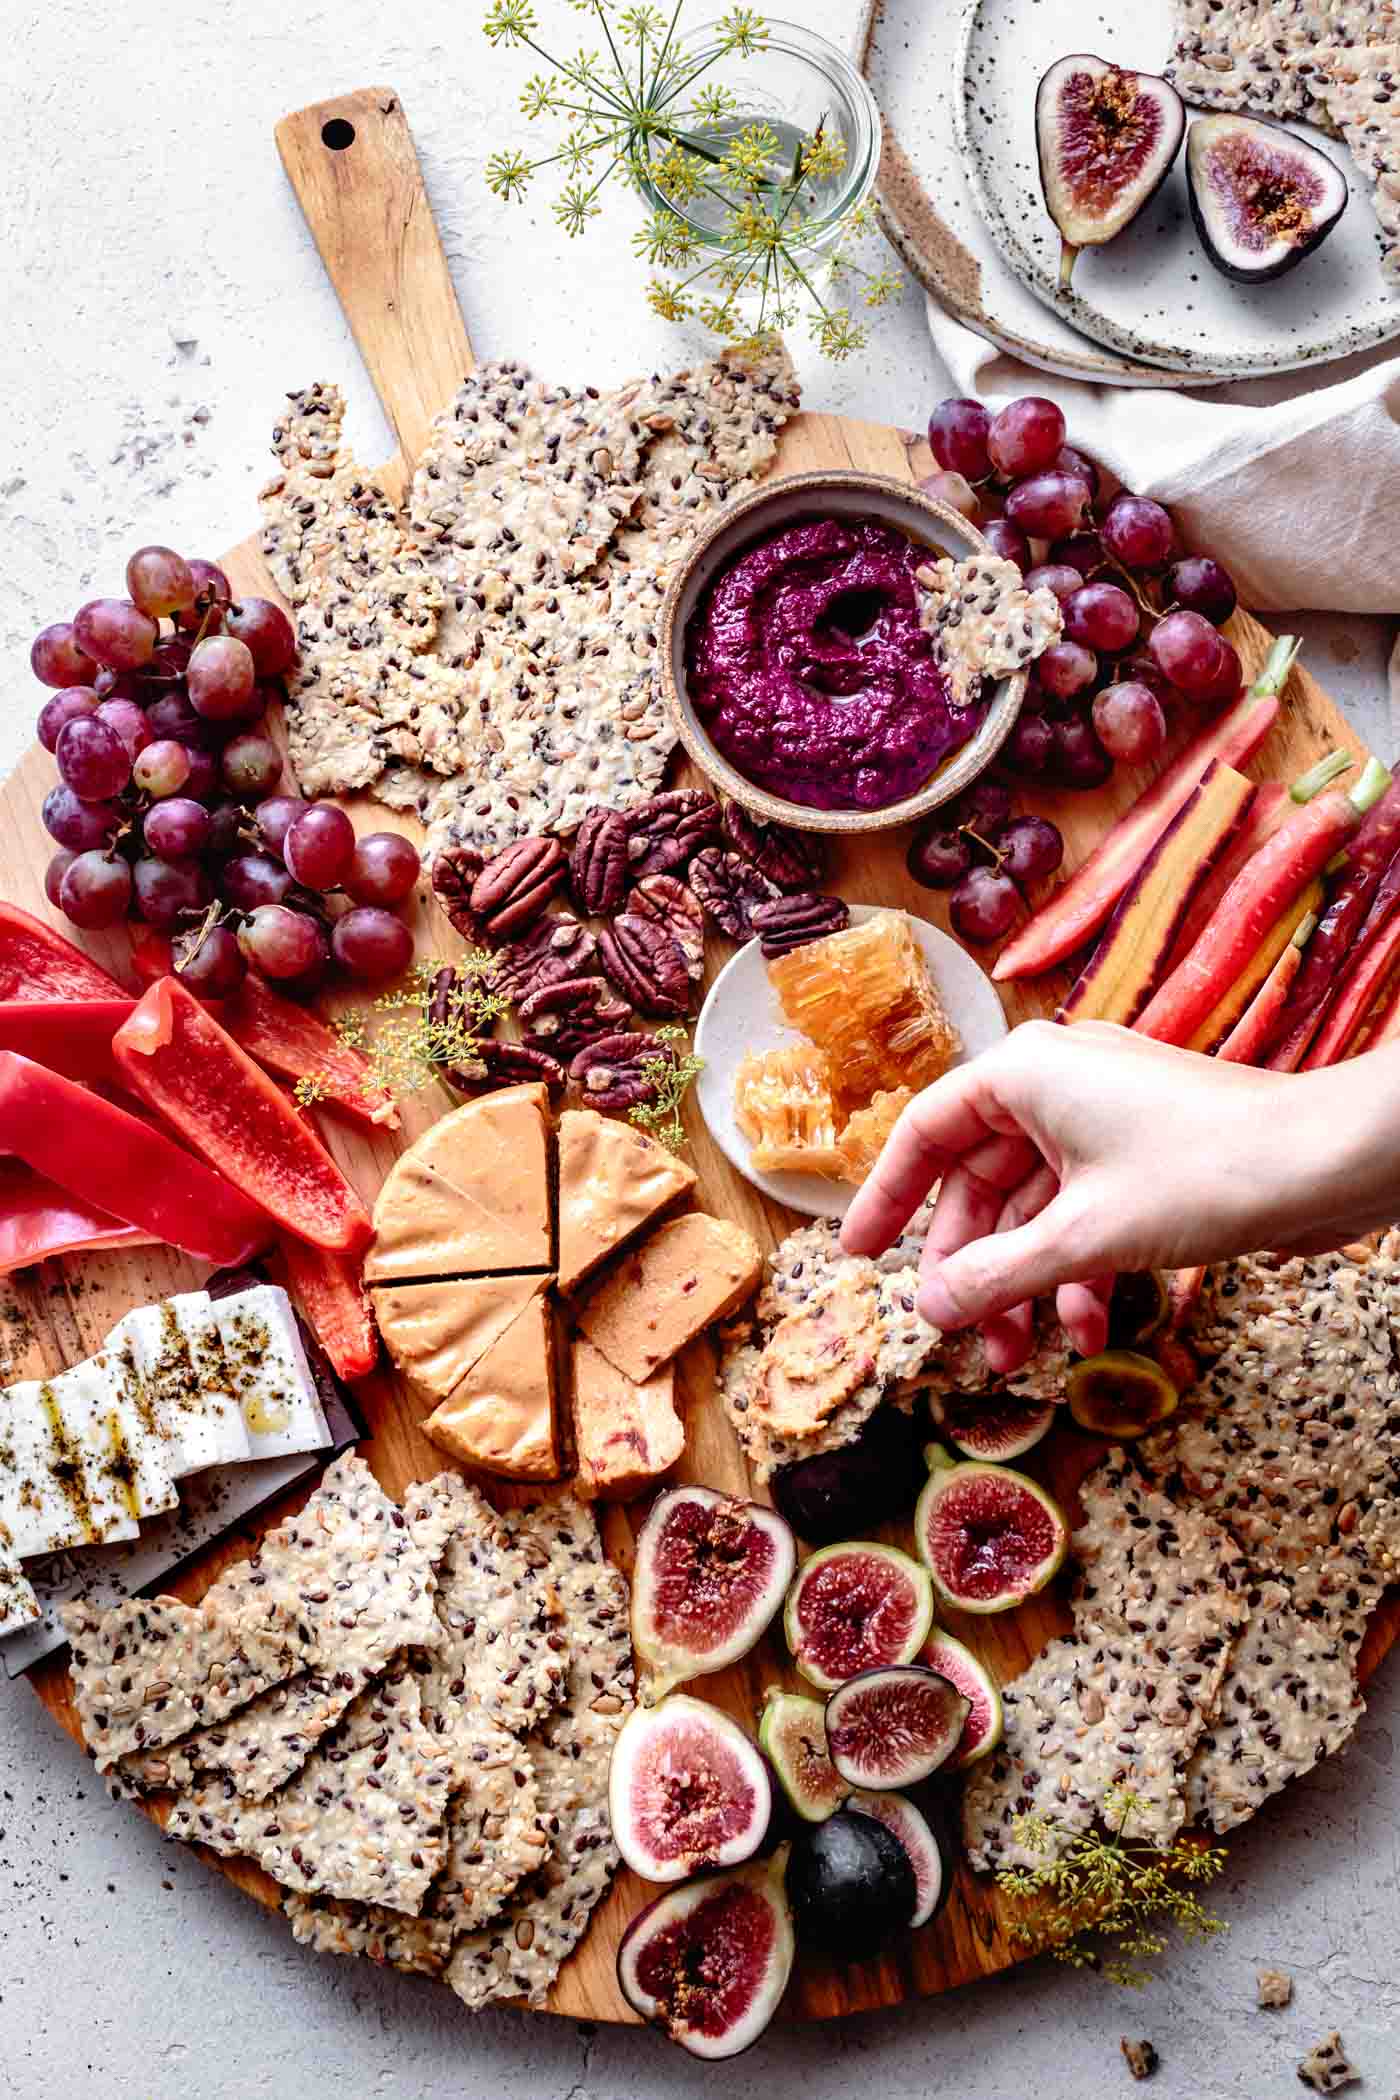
x=741 y=1017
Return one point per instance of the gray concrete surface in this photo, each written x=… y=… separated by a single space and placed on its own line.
x=158 y=293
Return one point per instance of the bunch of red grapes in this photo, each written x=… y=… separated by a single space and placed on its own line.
x=985 y=855
x=166 y=807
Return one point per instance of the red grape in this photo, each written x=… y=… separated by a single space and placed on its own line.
x=162 y=768
x=267 y=633
x=985 y=905
x=984 y=804
x=1030 y=745
x=1189 y=652
x=1225 y=686
x=1137 y=532
x=225 y=828
x=1102 y=617
x=319 y=845
x=252 y=766
x=1024 y=437
x=65 y=706
x=113 y=631
x=1082 y=551
x=78 y=825
x=957 y=436
x=251 y=879
x=95 y=889
x=54 y=873
x=1008 y=542
x=214 y=964
x=169 y=890
x=1143 y=669
x=1029 y=848
x=92 y=758
x=370 y=943
x=1079 y=759
x=938 y=858
x=56 y=659
x=171 y=659
x=276 y=816
x=211 y=587
x=176 y=828
x=1201 y=585
x=220 y=678
x=203 y=774
x=159 y=581
x=953 y=490
x=383 y=869
x=282 y=943
x=129 y=722
x=1070 y=460
x=1048 y=506
x=1129 y=722
x=172 y=716
x=1066 y=668
x=1056 y=576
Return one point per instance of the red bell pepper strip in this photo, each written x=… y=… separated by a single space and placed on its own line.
x=39 y=1219
x=288 y=1040
x=152 y=953
x=1248 y=1040
x=1080 y=906
x=191 y=1071
x=329 y=1291
x=1262 y=891
x=118 y=1164
x=72 y=1036
x=37 y=963
x=1358 y=992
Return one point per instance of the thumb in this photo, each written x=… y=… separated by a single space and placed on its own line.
x=1001 y=1270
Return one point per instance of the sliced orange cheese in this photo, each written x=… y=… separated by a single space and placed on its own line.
x=437 y=1332
x=471 y=1197
x=689 y=1273
x=627 y=1433
x=613 y=1180
x=500 y=1416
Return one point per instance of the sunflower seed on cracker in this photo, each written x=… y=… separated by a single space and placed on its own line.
x=983 y=621
x=1153 y=1571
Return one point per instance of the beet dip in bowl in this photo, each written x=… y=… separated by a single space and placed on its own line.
x=795 y=666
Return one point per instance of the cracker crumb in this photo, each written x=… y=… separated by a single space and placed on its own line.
x=1325 y=2068
x=1275 y=1987
x=1141 y=2058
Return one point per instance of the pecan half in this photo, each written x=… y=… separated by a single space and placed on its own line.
x=609 y=1072
x=666 y=899
x=790 y=922
x=791 y=860
x=455 y=870
x=565 y=1018
x=516 y=884
x=666 y=832
x=646 y=964
x=504 y=1064
x=730 y=889
x=556 y=947
x=598 y=864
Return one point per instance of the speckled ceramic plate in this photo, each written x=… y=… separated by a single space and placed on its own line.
x=1152 y=293
x=741 y=1017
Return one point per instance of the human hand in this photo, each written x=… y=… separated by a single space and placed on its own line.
x=1067 y=1154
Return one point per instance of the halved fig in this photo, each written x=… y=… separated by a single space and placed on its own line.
x=1261 y=198
x=1106 y=139
x=911 y=1826
x=1137 y=1307
x=851 y=1885
x=839 y=1494
x=711 y=1572
x=1120 y=1394
x=988 y=1536
x=792 y=1736
x=686 y=1790
x=854 y=1607
x=994 y=1426
x=982 y=1729
x=892 y=1727
x=708 y=1963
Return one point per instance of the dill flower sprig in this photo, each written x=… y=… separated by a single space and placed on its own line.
x=430 y=1026
x=668 y=1076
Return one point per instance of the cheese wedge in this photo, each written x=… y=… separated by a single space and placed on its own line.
x=471 y=1198
x=54 y=1494
x=500 y=1417
x=687 y=1274
x=268 y=1373
x=626 y=1434
x=437 y=1332
x=134 y=1463
x=18 y=1604
x=613 y=1180
x=173 y=1352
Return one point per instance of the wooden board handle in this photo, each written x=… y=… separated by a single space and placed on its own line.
x=354 y=168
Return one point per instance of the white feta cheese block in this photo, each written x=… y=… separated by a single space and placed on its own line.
x=54 y=1493
x=143 y=1451
x=173 y=1349
x=269 y=1373
x=85 y=1420
x=18 y=1604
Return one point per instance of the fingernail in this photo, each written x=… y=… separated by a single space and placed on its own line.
x=936 y=1304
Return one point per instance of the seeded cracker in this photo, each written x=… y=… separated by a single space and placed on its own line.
x=1156 y=1572
x=1358 y=90
x=150 y=1668
x=984 y=622
x=364 y=1818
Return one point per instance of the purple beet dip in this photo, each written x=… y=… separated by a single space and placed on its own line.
x=807 y=665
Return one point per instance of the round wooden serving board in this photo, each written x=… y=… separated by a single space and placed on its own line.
x=367 y=208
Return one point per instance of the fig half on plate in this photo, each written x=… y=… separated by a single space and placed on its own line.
x=1106 y=138
x=1261 y=198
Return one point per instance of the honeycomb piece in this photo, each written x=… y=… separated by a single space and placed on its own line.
x=865 y=997
x=785 y=1105
x=864 y=1136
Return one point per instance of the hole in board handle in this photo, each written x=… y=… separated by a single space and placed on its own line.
x=338 y=133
